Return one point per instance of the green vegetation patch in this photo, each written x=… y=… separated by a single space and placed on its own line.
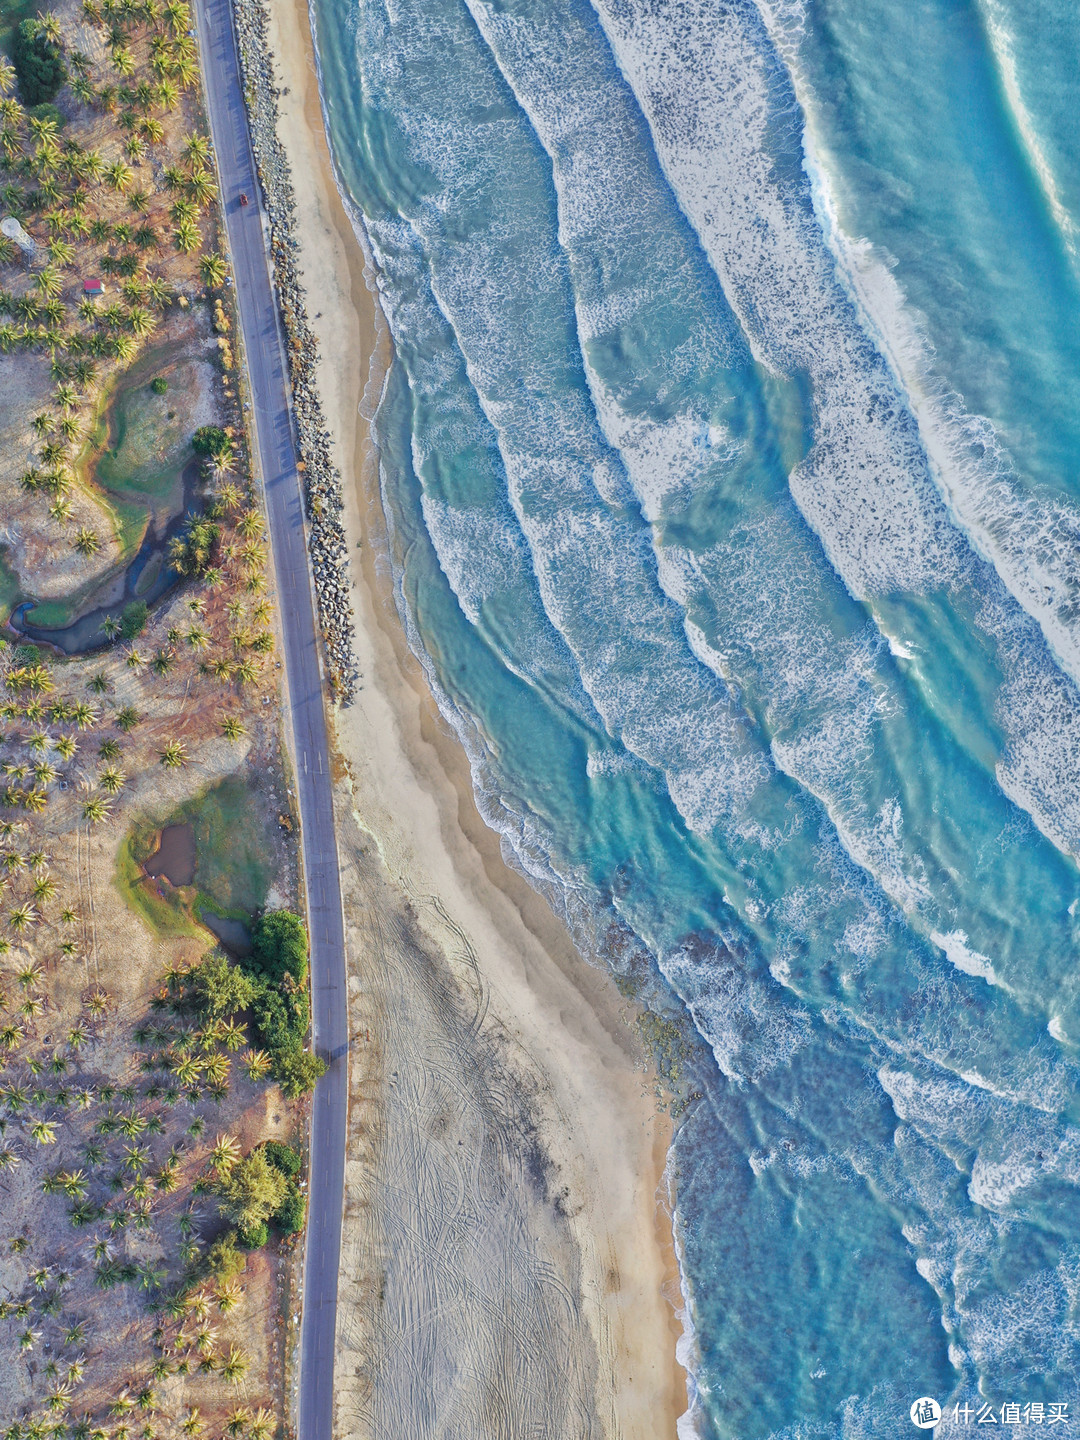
x=278 y=966
x=235 y=846
x=145 y=440
x=12 y=14
x=165 y=910
x=39 y=63
x=9 y=589
x=235 y=849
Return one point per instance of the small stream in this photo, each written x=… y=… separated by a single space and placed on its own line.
x=147 y=576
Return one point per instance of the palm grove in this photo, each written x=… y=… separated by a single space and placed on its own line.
x=112 y=1112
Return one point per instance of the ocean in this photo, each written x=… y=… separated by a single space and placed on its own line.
x=730 y=456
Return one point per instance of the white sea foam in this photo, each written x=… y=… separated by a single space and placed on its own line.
x=866 y=487
x=956 y=947
x=690 y=1424
x=1002 y=48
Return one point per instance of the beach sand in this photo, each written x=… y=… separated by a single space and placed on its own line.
x=507 y=1261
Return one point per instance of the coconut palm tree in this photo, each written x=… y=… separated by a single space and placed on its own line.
x=201 y=187
x=95 y=809
x=62 y=252
x=86 y=541
x=177 y=13
x=44 y=1132
x=186 y=237
x=127 y=718
x=235 y=1365
x=174 y=756
x=111 y=780
x=225 y=1153
x=21 y=917
x=134 y=289
x=140 y=321
x=158 y=291
x=48 y=281
x=119 y=175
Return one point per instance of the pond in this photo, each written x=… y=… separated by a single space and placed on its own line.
x=174 y=857
x=234 y=935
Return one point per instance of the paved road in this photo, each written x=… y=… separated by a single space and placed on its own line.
x=266 y=371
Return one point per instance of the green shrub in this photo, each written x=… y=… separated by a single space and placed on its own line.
x=133 y=620
x=279 y=947
x=218 y=988
x=250 y=1192
x=48 y=111
x=284 y=1158
x=292 y=1212
x=252 y=1238
x=210 y=440
x=297 y=1071
x=223 y=1259
x=38 y=63
x=281 y=1021
x=159 y=385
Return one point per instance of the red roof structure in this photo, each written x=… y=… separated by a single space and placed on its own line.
x=92 y=287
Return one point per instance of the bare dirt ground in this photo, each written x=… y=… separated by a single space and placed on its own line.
x=90 y=963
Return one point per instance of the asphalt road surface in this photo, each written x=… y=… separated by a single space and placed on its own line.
x=263 y=347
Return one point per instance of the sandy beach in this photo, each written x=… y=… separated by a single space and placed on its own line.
x=507 y=1256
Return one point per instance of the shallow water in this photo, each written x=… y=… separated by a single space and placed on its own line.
x=174 y=857
x=730 y=455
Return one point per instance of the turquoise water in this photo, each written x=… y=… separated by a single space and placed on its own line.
x=731 y=457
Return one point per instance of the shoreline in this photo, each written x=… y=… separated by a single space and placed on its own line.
x=413 y=804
